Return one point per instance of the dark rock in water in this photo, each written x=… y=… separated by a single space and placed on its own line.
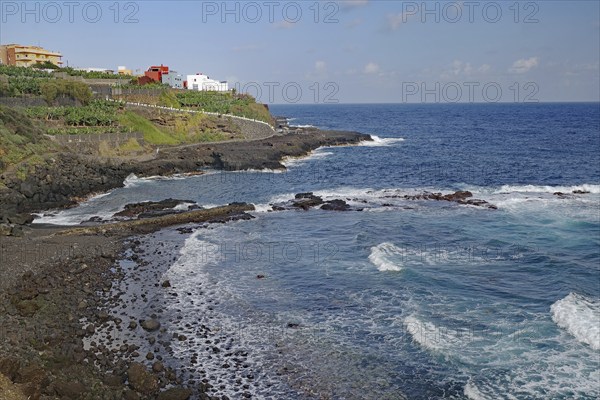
x=292 y=325
x=308 y=195
x=150 y=325
x=95 y=218
x=335 y=205
x=90 y=329
x=580 y=192
x=150 y=208
x=158 y=367
x=166 y=284
x=306 y=201
x=141 y=380
x=175 y=394
x=460 y=197
x=260 y=277
x=558 y=194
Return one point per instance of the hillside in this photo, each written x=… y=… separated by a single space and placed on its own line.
x=21 y=139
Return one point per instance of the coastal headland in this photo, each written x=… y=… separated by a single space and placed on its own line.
x=59 y=286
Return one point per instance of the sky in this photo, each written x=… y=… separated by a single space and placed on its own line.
x=358 y=51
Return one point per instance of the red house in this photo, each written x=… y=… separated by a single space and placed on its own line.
x=155 y=73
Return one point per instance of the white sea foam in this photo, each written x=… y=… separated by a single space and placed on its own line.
x=70 y=217
x=579 y=316
x=380 y=142
x=382 y=254
x=595 y=189
x=437 y=338
x=265 y=171
x=313 y=155
x=473 y=393
x=133 y=180
x=183 y=206
x=262 y=208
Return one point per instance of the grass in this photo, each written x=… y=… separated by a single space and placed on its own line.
x=20 y=138
x=152 y=135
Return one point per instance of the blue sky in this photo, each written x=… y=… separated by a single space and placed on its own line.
x=353 y=51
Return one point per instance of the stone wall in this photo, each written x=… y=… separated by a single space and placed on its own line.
x=94 y=139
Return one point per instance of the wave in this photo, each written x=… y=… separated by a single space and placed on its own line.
x=380 y=142
x=263 y=171
x=437 y=338
x=591 y=188
x=262 y=208
x=579 y=316
x=302 y=126
x=472 y=392
x=183 y=206
x=70 y=217
x=133 y=180
x=381 y=257
x=317 y=154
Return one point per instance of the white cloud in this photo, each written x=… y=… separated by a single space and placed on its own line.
x=484 y=68
x=371 y=68
x=394 y=21
x=464 y=70
x=320 y=67
x=524 y=65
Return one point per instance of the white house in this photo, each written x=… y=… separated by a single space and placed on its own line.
x=202 y=82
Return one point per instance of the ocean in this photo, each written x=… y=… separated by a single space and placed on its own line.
x=416 y=299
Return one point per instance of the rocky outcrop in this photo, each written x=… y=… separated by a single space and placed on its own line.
x=63 y=179
x=149 y=209
x=460 y=197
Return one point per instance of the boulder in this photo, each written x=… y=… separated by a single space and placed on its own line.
x=69 y=390
x=141 y=380
x=150 y=325
x=335 y=205
x=175 y=394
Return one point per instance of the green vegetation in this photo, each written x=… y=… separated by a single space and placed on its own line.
x=90 y=116
x=11 y=70
x=93 y=74
x=96 y=113
x=51 y=89
x=152 y=134
x=20 y=138
x=224 y=103
x=45 y=65
x=17 y=81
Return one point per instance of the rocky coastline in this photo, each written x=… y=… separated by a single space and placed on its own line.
x=66 y=178
x=58 y=285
